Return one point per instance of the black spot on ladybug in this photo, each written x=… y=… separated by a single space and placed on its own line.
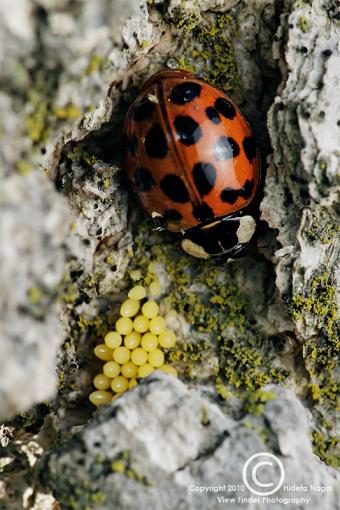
x=155 y=142
x=226 y=148
x=187 y=129
x=204 y=175
x=171 y=215
x=144 y=180
x=246 y=190
x=230 y=195
x=213 y=114
x=225 y=107
x=174 y=188
x=129 y=144
x=185 y=92
x=143 y=111
x=202 y=212
x=249 y=147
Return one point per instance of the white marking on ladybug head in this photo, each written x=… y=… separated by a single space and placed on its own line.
x=156 y=214
x=246 y=229
x=153 y=98
x=193 y=249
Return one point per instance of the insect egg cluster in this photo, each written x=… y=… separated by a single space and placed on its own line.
x=134 y=349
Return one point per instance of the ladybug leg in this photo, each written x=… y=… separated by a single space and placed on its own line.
x=240 y=251
x=227 y=238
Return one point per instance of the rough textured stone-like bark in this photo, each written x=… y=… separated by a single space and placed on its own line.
x=71 y=243
x=164 y=441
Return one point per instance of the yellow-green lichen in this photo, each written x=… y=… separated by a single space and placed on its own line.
x=188 y=356
x=24 y=166
x=207 y=48
x=205 y=421
x=246 y=361
x=36 y=120
x=323 y=227
x=222 y=390
x=28 y=419
x=212 y=303
x=318 y=304
x=40 y=115
x=303 y=23
x=35 y=295
x=87 y=494
x=185 y=22
x=96 y=63
x=317 y=307
x=78 y=154
x=69 y=111
x=39 y=299
x=327 y=448
x=70 y=293
x=123 y=464
x=75 y=154
x=98 y=498
x=61 y=380
x=262 y=432
x=255 y=401
x=95 y=323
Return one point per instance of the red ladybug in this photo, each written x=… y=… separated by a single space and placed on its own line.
x=192 y=160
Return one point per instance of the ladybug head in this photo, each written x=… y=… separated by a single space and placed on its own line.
x=227 y=237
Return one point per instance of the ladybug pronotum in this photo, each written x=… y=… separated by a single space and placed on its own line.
x=193 y=162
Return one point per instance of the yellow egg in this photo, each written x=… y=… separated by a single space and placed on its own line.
x=139 y=356
x=135 y=275
x=113 y=339
x=129 y=370
x=169 y=370
x=145 y=370
x=156 y=358
x=132 y=340
x=121 y=355
x=167 y=339
x=124 y=325
x=103 y=352
x=155 y=288
x=157 y=325
x=115 y=397
x=152 y=267
x=150 y=309
x=141 y=324
x=101 y=382
x=119 y=384
x=149 y=342
x=129 y=308
x=111 y=369
x=132 y=383
x=99 y=398
x=137 y=292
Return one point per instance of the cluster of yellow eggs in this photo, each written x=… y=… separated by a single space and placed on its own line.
x=134 y=349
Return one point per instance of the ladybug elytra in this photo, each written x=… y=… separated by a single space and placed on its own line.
x=193 y=162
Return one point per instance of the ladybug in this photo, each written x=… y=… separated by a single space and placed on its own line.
x=192 y=160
